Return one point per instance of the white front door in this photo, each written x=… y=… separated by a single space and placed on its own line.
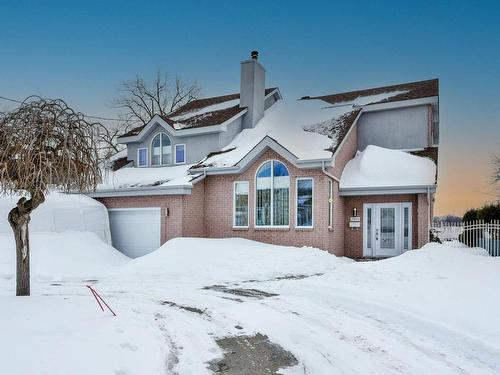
x=386 y=229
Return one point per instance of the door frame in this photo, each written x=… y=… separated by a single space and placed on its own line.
x=374 y=220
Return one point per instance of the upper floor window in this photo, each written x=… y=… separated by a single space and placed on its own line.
x=142 y=157
x=161 y=150
x=180 y=154
x=272 y=194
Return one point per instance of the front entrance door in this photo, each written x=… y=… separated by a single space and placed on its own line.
x=386 y=229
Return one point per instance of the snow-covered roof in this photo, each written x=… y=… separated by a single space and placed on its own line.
x=377 y=167
x=202 y=112
x=402 y=91
x=308 y=129
x=128 y=177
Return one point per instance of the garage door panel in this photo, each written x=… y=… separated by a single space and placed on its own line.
x=135 y=232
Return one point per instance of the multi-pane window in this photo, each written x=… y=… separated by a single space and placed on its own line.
x=142 y=157
x=304 y=202
x=161 y=150
x=330 y=203
x=180 y=154
x=272 y=194
x=241 y=204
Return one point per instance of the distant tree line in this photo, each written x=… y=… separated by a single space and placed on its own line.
x=487 y=213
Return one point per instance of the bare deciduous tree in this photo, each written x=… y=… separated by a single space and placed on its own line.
x=43 y=145
x=140 y=101
x=496 y=174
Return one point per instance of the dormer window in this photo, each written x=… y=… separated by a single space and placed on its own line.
x=161 y=150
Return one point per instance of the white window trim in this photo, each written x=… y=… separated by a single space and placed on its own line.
x=175 y=153
x=234 y=205
x=297 y=201
x=138 y=158
x=161 y=151
x=272 y=197
x=330 y=203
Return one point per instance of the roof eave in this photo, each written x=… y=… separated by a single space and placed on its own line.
x=216 y=128
x=387 y=190
x=143 y=190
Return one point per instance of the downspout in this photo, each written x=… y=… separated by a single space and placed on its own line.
x=323 y=169
x=428 y=214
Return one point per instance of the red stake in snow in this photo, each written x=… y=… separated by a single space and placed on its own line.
x=99 y=299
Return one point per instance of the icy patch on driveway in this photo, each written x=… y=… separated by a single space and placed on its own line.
x=251 y=355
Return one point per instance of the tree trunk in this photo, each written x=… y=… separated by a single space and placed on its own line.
x=21 y=234
x=19 y=218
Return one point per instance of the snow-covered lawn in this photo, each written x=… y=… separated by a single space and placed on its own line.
x=431 y=311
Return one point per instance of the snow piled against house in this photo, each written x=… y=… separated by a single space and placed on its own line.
x=309 y=129
x=381 y=167
x=62 y=212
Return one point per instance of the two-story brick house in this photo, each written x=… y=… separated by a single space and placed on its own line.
x=352 y=173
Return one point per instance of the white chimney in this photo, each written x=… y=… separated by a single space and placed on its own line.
x=252 y=90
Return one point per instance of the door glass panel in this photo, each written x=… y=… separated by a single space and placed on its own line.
x=387 y=228
x=369 y=228
x=406 y=239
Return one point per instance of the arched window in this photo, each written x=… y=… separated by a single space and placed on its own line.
x=272 y=194
x=161 y=150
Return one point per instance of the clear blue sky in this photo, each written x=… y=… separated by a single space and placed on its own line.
x=81 y=51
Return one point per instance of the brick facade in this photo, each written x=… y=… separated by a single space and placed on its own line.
x=208 y=210
x=354 y=237
x=219 y=209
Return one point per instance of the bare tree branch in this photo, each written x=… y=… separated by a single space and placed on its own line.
x=140 y=101
x=44 y=145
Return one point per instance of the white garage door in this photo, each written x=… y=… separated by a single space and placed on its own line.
x=135 y=232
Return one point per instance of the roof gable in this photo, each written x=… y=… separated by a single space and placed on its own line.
x=201 y=112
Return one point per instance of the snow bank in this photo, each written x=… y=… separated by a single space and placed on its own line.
x=62 y=212
x=59 y=255
x=454 y=286
x=230 y=259
x=70 y=335
x=382 y=167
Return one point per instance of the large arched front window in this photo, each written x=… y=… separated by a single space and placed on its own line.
x=161 y=150
x=272 y=194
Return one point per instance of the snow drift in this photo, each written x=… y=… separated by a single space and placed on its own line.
x=61 y=213
x=381 y=167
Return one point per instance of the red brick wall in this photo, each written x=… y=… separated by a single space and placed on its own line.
x=344 y=154
x=354 y=238
x=423 y=223
x=219 y=209
x=193 y=206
